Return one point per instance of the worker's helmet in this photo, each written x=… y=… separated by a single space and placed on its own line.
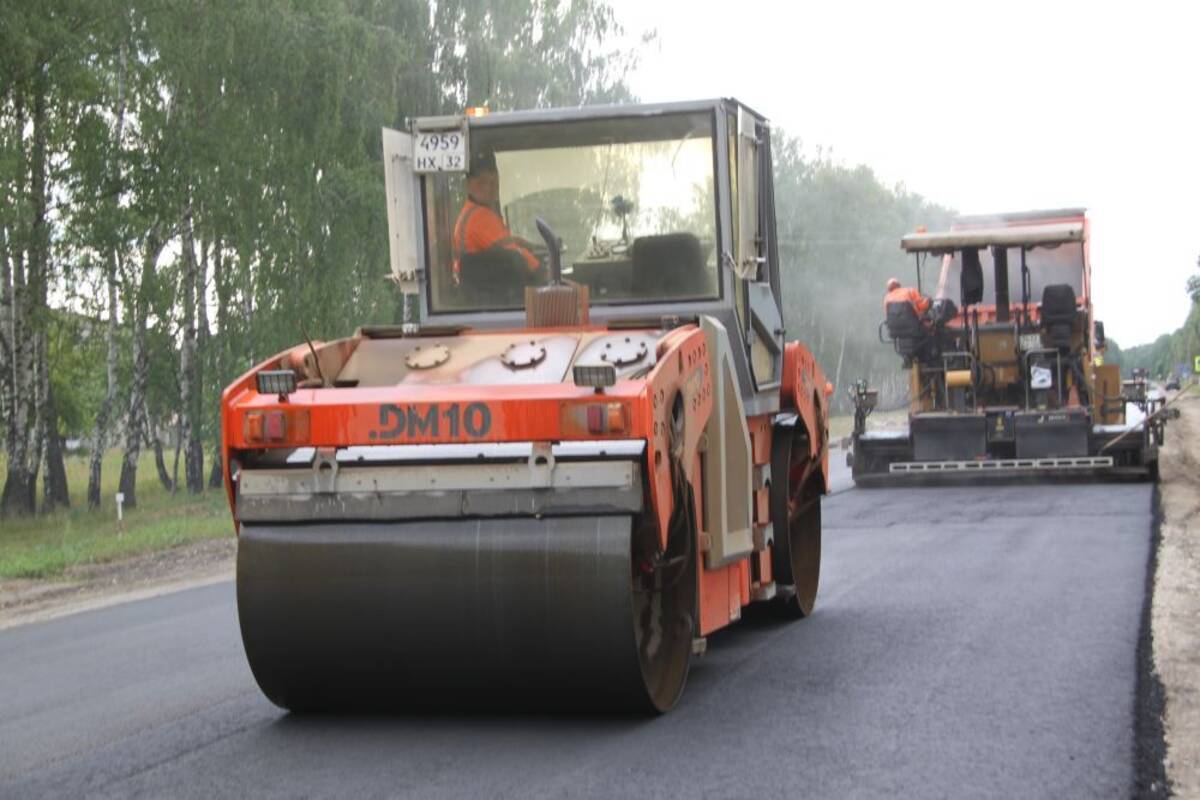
x=481 y=161
x=893 y=283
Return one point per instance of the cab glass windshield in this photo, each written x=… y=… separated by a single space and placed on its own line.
x=1047 y=266
x=633 y=201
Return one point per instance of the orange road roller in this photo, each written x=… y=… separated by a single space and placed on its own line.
x=586 y=446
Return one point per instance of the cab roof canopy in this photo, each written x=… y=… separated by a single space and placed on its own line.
x=941 y=242
x=576 y=113
x=1042 y=216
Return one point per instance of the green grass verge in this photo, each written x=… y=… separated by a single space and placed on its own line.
x=45 y=545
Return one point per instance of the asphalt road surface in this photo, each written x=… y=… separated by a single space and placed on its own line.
x=969 y=641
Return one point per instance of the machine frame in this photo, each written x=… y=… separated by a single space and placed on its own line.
x=996 y=388
x=700 y=453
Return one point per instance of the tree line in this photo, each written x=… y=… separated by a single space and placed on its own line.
x=1164 y=355
x=839 y=242
x=187 y=186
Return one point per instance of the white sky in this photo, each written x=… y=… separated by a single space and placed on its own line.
x=1001 y=106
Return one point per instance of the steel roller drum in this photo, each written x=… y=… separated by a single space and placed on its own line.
x=469 y=613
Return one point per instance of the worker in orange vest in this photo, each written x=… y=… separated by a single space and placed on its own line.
x=480 y=227
x=905 y=294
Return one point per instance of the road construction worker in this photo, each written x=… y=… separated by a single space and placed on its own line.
x=480 y=227
x=905 y=294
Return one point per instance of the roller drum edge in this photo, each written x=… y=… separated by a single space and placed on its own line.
x=514 y=612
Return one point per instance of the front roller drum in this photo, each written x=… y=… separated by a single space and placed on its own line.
x=518 y=612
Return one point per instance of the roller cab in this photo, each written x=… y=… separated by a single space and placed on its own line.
x=585 y=447
x=1006 y=369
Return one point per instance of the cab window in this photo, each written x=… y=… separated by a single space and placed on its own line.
x=632 y=199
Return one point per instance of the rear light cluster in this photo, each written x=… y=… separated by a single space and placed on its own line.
x=276 y=426
x=596 y=419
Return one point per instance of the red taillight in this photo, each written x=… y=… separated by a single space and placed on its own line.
x=596 y=419
x=276 y=426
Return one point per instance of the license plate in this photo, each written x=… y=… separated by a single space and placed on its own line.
x=440 y=151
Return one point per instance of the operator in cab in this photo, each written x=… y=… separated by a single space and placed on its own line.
x=905 y=294
x=479 y=227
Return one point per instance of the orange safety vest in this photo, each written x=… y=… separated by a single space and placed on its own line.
x=907 y=294
x=478 y=229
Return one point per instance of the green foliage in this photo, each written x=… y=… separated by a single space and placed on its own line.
x=258 y=121
x=1114 y=354
x=251 y=127
x=839 y=242
x=76 y=347
x=509 y=54
x=1165 y=354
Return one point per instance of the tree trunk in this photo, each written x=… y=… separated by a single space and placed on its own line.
x=160 y=464
x=6 y=343
x=26 y=318
x=55 y=492
x=136 y=412
x=13 y=382
x=203 y=343
x=216 y=476
x=188 y=390
x=100 y=433
x=37 y=448
x=175 y=464
x=219 y=349
x=44 y=424
x=134 y=430
x=247 y=340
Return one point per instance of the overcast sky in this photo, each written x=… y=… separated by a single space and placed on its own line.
x=1001 y=106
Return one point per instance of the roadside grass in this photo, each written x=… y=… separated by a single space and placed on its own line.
x=43 y=546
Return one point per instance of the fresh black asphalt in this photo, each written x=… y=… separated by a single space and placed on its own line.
x=968 y=641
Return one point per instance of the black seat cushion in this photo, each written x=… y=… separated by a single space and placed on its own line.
x=1058 y=303
x=495 y=277
x=1058 y=313
x=669 y=265
x=904 y=327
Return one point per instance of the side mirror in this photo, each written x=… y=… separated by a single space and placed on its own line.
x=971 y=279
x=1098 y=334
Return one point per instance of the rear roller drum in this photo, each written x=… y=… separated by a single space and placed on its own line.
x=664 y=604
x=796 y=510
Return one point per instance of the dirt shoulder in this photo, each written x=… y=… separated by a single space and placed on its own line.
x=89 y=586
x=1176 y=609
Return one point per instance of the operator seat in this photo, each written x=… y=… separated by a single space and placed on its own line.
x=1058 y=314
x=494 y=278
x=909 y=335
x=670 y=265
